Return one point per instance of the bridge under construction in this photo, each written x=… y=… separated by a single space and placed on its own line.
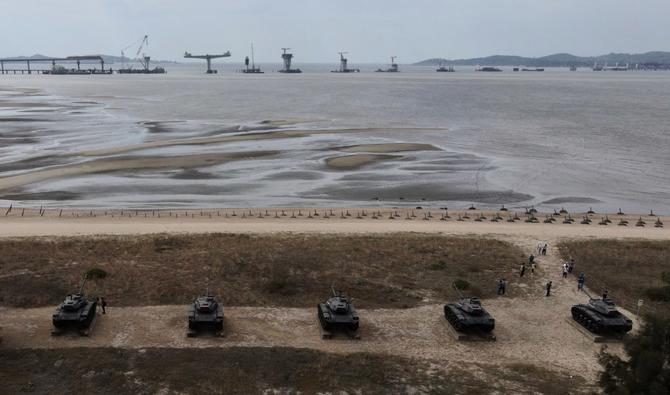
x=208 y=58
x=6 y=68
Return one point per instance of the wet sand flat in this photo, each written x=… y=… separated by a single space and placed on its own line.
x=128 y=163
x=350 y=162
x=389 y=148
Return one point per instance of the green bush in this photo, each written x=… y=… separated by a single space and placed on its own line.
x=96 y=273
x=462 y=284
x=658 y=294
x=441 y=265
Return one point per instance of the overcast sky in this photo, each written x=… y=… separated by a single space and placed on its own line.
x=371 y=30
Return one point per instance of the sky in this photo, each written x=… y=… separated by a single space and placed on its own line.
x=316 y=30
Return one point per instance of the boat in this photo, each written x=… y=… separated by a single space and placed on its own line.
x=617 y=68
x=573 y=68
x=143 y=60
x=488 y=69
x=443 y=69
x=253 y=69
x=343 y=66
x=536 y=69
x=392 y=69
x=597 y=67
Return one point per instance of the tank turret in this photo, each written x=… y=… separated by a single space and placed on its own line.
x=205 y=313
x=468 y=315
x=338 y=313
x=76 y=311
x=600 y=316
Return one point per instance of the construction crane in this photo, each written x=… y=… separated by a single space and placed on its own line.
x=208 y=58
x=143 y=60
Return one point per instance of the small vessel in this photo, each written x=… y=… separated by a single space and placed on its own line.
x=515 y=69
x=343 y=66
x=597 y=67
x=536 y=69
x=287 y=57
x=488 y=69
x=144 y=61
x=253 y=69
x=573 y=68
x=617 y=68
x=443 y=69
x=392 y=69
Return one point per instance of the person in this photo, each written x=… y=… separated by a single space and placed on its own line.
x=522 y=270
x=565 y=270
x=544 y=249
x=531 y=258
x=103 y=304
x=532 y=268
x=501 y=287
x=572 y=264
x=605 y=294
x=580 y=282
x=539 y=248
x=548 y=287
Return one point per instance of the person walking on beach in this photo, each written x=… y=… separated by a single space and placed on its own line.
x=571 y=266
x=103 y=304
x=522 y=271
x=539 y=248
x=544 y=249
x=605 y=294
x=580 y=282
x=531 y=258
x=548 y=287
x=565 y=270
x=532 y=268
x=501 y=286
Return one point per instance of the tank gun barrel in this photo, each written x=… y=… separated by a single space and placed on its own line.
x=83 y=283
x=458 y=291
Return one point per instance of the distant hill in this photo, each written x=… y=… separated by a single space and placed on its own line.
x=109 y=59
x=556 y=60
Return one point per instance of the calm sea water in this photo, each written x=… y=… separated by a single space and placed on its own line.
x=553 y=139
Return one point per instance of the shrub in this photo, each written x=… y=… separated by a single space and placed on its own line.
x=96 y=273
x=461 y=284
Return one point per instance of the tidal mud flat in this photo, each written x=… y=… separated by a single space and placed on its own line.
x=65 y=144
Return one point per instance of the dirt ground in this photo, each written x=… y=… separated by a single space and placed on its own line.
x=402 y=350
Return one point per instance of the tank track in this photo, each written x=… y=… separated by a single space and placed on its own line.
x=583 y=319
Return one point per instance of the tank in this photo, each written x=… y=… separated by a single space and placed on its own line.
x=601 y=317
x=75 y=312
x=205 y=313
x=468 y=315
x=338 y=313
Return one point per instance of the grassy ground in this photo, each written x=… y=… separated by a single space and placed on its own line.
x=627 y=268
x=397 y=270
x=256 y=370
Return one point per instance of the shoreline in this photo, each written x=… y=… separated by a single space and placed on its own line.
x=20 y=222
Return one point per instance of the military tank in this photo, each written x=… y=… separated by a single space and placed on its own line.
x=338 y=314
x=468 y=315
x=601 y=317
x=205 y=313
x=75 y=312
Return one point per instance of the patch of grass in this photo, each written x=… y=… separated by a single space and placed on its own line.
x=257 y=370
x=627 y=268
x=252 y=270
x=439 y=265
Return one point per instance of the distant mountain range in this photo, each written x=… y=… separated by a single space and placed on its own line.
x=109 y=59
x=556 y=60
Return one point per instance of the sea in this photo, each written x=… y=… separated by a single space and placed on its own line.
x=550 y=140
